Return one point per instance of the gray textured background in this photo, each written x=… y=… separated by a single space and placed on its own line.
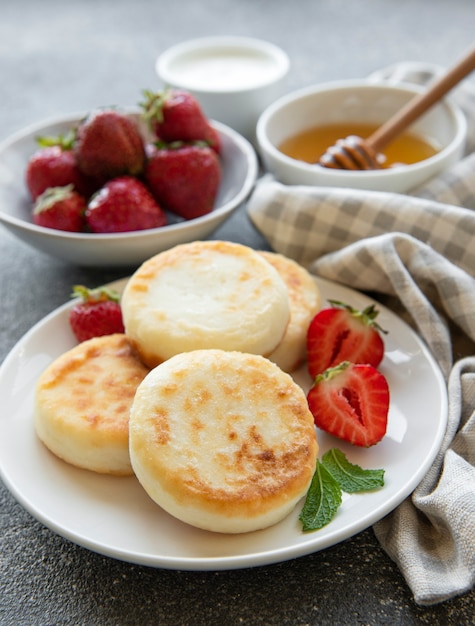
x=57 y=57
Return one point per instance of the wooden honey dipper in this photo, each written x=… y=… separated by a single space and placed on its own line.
x=355 y=153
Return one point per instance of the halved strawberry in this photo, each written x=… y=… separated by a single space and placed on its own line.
x=97 y=313
x=351 y=402
x=342 y=333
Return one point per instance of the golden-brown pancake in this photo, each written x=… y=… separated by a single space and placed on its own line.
x=82 y=404
x=222 y=440
x=305 y=302
x=205 y=294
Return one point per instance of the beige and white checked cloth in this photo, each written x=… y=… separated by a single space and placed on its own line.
x=416 y=251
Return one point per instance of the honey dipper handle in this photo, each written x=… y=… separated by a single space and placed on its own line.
x=421 y=103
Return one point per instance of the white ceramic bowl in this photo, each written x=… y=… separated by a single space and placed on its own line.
x=239 y=173
x=234 y=78
x=357 y=101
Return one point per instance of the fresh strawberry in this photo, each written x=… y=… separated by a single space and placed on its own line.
x=123 y=204
x=214 y=140
x=184 y=178
x=54 y=165
x=176 y=115
x=98 y=313
x=109 y=144
x=351 y=402
x=60 y=208
x=342 y=333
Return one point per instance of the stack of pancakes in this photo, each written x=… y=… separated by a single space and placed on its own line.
x=196 y=397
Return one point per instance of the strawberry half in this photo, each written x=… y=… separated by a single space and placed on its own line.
x=98 y=313
x=351 y=402
x=342 y=333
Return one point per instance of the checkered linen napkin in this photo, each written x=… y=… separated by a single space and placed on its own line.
x=418 y=252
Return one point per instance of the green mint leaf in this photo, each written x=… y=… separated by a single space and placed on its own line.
x=323 y=500
x=351 y=478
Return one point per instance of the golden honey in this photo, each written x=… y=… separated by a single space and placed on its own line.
x=311 y=144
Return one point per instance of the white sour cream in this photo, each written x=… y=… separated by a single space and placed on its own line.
x=225 y=69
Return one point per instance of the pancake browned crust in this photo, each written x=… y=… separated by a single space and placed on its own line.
x=305 y=302
x=82 y=404
x=205 y=294
x=222 y=440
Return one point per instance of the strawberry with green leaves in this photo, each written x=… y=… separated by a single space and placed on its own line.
x=184 y=178
x=60 y=208
x=351 y=402
x=54 y=165
x=342 y=333
x=109 y=144
x=176 y=115
x=123 y=204
x=97 y=313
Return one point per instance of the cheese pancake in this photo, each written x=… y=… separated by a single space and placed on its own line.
x=201 y=295
x=82 y=404
x=305 y=302
x=223 y=441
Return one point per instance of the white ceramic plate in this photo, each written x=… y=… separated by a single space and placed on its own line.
x=239 y=173
x=114 y=516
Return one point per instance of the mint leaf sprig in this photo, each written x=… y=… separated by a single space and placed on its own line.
x=323 y=499
x=351 y=478
x=334 y=474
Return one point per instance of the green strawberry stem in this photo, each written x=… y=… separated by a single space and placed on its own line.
x=331 y=372
x=51 y=196
x=153 y=105
x=178 y=143
x=65 y=141
x=100 y=294
x=367 y=315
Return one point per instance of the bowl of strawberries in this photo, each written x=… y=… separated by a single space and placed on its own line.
x=114 y=186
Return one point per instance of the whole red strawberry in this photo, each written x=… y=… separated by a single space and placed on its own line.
x=98 y=313
x=123 y=204
x=60 y=208
x=351 y=402
x=342 y=333
x=54 y=165
x=184 y=178
x=176 y=115
x=109 y=144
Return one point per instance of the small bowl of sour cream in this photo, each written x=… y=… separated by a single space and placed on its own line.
x=233 y=78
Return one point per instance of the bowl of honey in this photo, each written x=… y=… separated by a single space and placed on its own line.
x=294 y=132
